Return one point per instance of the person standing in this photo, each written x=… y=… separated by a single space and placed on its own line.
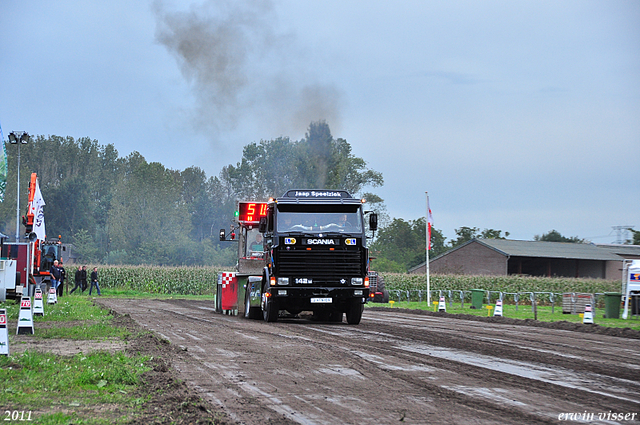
x=83 y=278
x=54 y=271
x=77 y=279
x=63 y=275
x=94 y=281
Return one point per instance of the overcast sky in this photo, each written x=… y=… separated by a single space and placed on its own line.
x=522 y=116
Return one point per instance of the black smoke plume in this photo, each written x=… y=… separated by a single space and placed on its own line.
x=241 y=70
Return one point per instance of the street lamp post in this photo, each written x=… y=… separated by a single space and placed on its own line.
x=18 y=138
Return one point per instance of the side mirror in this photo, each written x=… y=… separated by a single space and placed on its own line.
x=262 y=227
x=271 y=220
x=373 y=221
x=223 y=235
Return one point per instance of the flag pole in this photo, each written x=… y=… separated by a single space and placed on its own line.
x=427 y=246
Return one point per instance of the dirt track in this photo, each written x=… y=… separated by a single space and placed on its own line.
x=393 y=367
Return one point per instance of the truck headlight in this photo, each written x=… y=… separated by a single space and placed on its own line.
x=356 y=281
x=283 y=281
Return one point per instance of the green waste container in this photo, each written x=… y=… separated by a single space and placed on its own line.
x=477 y=296
x=612 y=302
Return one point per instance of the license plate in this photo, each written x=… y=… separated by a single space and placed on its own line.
x=321 y=300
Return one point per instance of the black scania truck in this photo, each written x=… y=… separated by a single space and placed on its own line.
x=315 y=257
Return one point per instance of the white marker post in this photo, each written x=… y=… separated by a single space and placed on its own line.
x=588 y=315
x=442 y=305
x=38 y=306
x=498 y=310
x=53 y=296
x=25 y=319
x=4 y=333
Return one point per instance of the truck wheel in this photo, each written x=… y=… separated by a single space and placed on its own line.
x=354 y=312
x=385 y=296
x=380 y=283
x=270 y=313
x=250 y=312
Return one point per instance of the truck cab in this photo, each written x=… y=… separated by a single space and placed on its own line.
x=316 y=256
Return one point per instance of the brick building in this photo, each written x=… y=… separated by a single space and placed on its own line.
x=499 y=257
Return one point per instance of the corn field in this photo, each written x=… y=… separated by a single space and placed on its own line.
x=408 y=282
x=202 y=281
x=160 y=280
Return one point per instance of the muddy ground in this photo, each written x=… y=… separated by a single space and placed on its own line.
x=396 y=366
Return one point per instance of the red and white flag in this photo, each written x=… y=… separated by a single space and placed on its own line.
x=429 y=224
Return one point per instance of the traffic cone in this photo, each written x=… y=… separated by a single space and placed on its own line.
x=38 y=307
x=53 y=296
x=25 y=319
x=588 y=315
x=442 y=306
x=498 y=309
x=4 y=333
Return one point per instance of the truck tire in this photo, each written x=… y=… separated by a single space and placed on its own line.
x=250 y=312
x=354 y=312
x=385 y=296
x=270 y=313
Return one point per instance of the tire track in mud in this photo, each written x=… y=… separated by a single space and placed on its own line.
x=594 y=353
x=392 y=367
x=485 y=376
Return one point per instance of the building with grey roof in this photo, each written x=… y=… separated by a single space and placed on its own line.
x=499 y=257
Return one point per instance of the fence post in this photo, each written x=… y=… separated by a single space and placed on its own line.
x=534 y=309
x=516 y=298
x=462 y=299
x=552 y=299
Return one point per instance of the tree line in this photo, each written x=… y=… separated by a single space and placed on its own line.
x=126 y=210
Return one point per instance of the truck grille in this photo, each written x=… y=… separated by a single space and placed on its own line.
x=373 y=280
x=320 y=265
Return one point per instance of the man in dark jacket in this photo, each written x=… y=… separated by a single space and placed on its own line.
x=63 y=275
x=94 y=281
x=78 y=280
x=55 y=275
x=83 y=279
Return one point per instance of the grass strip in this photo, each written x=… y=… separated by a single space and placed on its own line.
x=97 y=387
x=523 y=312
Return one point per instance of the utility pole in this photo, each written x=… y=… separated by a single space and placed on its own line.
x=622 y=233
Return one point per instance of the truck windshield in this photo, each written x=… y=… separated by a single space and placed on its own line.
x=49 y=254
x=254 y=247
x=318 y=222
